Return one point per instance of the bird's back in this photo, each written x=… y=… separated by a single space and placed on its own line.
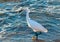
x=36 y=26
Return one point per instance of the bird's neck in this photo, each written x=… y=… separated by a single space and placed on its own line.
x=27 y=16
x=28 y=19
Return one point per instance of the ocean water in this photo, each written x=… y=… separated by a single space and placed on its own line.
x=13 y=25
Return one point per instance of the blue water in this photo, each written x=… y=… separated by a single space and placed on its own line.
x=13 y=25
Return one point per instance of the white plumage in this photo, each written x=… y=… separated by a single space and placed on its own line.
x=36 y=26
x=33 y=24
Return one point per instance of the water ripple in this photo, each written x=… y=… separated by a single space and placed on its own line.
x=14 y=25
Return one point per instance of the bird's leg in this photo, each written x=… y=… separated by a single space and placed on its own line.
x=35 y=37
x=36 y=34
x=39 y=33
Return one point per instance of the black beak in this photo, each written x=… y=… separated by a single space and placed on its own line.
x=21 y=10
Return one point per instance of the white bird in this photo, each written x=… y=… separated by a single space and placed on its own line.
x=35 y=26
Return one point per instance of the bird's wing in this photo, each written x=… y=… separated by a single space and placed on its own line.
x=36 y=26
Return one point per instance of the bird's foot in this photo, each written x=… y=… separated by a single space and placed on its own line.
x=34 y=38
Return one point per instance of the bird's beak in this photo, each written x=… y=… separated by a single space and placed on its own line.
x=21 y=10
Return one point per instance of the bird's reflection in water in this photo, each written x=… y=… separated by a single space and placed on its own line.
x=38 y=40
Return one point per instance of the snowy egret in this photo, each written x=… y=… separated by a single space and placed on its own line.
x=35 y=26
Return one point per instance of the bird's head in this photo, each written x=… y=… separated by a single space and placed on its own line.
x=26 y=9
